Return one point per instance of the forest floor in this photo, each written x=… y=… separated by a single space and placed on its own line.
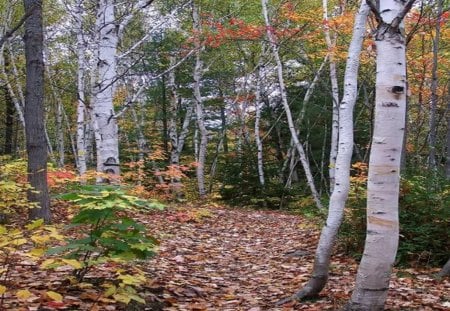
x=216 y=258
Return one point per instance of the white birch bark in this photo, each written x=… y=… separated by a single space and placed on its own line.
x=372 y=282
x=106 y=129
x=259 y=144
x=197 y=76
x=339 y=196
x=335 y=97
x=297 y=143
x=81 y=98
x=298 y=122
x=18 y=104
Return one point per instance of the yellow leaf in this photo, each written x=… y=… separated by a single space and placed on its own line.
x=55 y=296
x=35 y=224
x=23 y=294
x=2 y=289
x=73 y=263
x=36 y=252
x=40 y=239
x=19 y=241
x=136 y=298
x=110 y=291
x=47 y=263
x=122 y=298
x=3 y=230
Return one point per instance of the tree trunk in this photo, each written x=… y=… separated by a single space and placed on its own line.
x=432 y=165
x=107 y=140
x=447 y=162
x=445 y=269
x=335 y=97
x=198 y=72
x=34 y=111
x=259 y=144
x=81 y=105
x=9 y=122
x=297 y=143
x=372 y=282
x=343 y=160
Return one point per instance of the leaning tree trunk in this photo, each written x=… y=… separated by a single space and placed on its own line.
x=297 y=143
x=372 y=282
x=339 y=196
x=34 y=111
x=198 y=71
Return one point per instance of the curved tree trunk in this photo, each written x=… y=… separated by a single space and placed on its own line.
x=34 y=111
x=295 y=139
x=372 y=282
x=339 y=196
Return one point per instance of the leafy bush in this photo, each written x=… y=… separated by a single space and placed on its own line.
x=109 y=235
x=424 y=220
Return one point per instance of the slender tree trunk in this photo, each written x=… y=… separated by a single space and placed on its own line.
x=9 y=122
x=81 y=98
x=434 y=88
x=298 y=145
x=34 y=111
x=447 y=162
x=339 y=196
x=335 y=96
x=198 y=72
x=372 y=282
x=259 y=144
x=223 y=119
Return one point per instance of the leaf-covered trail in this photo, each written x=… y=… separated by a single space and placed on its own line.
x=224 y=259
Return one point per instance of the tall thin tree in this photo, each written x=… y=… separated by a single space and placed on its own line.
x=339 y=196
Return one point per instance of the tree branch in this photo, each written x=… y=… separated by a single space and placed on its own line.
x=10 y=32
x=374 y=9
x=398 y=19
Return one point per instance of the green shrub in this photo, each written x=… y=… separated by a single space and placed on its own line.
x=424 y=221
x=109 y=235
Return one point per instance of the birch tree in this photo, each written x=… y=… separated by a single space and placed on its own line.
x=34 y=111
x=372 y=282
x=335 y=98
x=197 y=75
x=273 y=44
x=339 y=196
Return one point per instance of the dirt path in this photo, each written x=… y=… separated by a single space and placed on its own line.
x=248 y=260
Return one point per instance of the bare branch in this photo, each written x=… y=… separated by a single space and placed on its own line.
x=398 y=19
x=373 y=7
x=10 y=32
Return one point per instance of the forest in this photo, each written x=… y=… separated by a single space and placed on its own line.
x=225 y=155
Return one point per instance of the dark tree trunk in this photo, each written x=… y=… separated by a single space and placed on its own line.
x=9 y=122
x=34 y=111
